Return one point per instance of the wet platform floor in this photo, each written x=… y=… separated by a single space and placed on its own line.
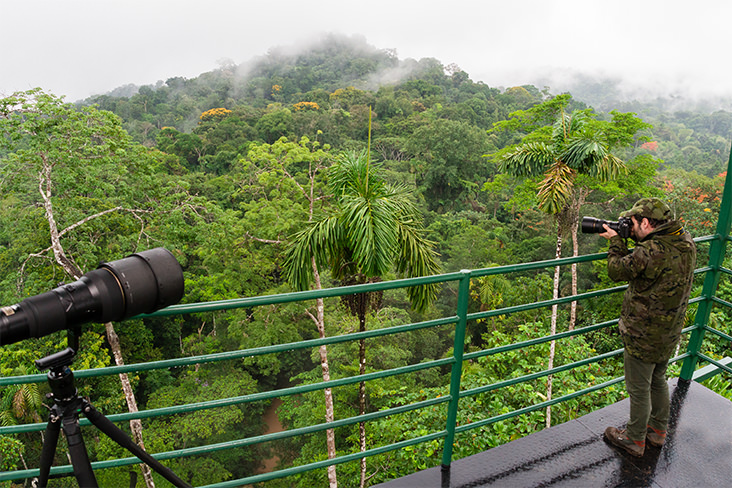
x=697 y=453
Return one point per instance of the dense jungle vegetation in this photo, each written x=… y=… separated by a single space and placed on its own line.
x=229 y=170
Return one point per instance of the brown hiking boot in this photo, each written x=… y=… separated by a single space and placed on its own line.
x=619 y=439
x=655 y=437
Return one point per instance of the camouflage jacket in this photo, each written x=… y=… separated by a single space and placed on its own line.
x=659 y=272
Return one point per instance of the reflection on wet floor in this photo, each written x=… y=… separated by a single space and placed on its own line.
x=697 y=453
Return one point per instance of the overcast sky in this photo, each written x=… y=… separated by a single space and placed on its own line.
x=78 y=48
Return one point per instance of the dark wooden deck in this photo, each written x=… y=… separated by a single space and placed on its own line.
x=698 y=452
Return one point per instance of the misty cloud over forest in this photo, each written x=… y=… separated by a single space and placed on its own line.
x=383 y=66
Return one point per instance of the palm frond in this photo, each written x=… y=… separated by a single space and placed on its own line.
x=528 y=159
x=562 y=128
x=417 y=257
x=317 y=241
x=609 y=168
x=354 y=174
x=370 y=233
x=375 y=227
x=555 y=190
x=583 y=153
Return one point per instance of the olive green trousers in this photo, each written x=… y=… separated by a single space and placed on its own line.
x=649 y=397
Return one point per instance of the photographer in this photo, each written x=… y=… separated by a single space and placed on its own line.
x=659 y=272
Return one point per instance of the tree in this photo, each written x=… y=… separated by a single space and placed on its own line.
x=450 y=163
x=574 y=145
x=280 y=177
x=74 y=165
x=372 y=228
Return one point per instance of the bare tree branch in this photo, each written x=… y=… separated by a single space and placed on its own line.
x=265 y=241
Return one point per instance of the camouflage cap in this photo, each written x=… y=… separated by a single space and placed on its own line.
x=650 y=208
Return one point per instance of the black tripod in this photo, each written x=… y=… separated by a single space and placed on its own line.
x=65 y=415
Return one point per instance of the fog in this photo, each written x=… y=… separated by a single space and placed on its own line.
x=652 y=48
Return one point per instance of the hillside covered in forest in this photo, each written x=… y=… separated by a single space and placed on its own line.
x=235 y=169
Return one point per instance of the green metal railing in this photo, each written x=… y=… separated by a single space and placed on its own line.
x=459 y=321
x=451 y=402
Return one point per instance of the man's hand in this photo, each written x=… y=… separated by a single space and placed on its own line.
x=608 y=232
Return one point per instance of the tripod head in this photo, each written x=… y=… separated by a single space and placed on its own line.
x=58 y=360
x=60 y=377
x=61 y=359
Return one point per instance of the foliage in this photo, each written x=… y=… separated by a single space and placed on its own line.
x=224 y=170
x=574 y=144
x=373 y=227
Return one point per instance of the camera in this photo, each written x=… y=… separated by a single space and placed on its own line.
x=623 y=226
x=140 y=283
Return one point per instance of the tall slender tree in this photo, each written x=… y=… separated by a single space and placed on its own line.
x=561 y=147
x=372 y=228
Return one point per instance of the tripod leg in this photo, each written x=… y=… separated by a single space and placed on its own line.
x=50 y=442
x=121 y=438
x=77 y=450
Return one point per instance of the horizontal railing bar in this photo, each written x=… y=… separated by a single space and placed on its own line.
x=718 y=300
x=539 y=374
x=312 y=429
x=544 y=303
x=718 y=333
x=708 y=238
x=242 y=353
x=330 y=462
x=195 y=451
x=548 y=263
x=68 y=469
x=227 y=402
x=553 y=401
x=716 y=363
x=539 y=340
x=380 y=286
x=538 y=406
x=299 y=296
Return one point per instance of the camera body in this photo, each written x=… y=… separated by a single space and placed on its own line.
x=591 y=225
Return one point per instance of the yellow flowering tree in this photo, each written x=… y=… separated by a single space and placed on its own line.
x=306 y=106
x=215 y=114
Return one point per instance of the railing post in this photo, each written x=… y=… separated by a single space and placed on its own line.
x=457 y=367
x=711 y=280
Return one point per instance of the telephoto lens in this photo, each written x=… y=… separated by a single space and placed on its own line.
x=591 y=225
x=140 y=283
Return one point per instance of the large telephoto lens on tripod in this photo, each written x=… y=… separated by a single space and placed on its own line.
x=140 y=283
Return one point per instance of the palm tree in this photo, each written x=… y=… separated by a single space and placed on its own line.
x=573 y=148
x=372 y=228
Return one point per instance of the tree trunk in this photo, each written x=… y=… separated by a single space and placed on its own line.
x=135 y=424
x=73 y=270
x=555 y=311
x=577 y=203
x=329 y=415
x=362 y=385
